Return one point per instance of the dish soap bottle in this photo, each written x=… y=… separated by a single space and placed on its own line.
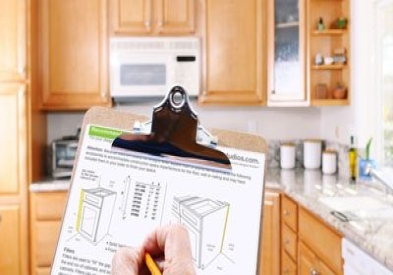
x=352 y=160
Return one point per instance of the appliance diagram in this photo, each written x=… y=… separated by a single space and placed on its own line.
x=206 y=221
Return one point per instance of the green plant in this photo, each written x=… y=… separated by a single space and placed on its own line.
x=368 y=145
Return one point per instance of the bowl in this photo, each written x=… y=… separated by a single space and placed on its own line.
x=339 y=93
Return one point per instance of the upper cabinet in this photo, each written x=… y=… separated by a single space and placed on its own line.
x=13 y=40
x=329 y=52
x=287 y=52
x=152 y=17
x=234 y=52
x=74 y=44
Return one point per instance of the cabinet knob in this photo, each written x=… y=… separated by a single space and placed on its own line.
x=147 y=24
x=159 y=23
x=286 y=241
x=286 y=213
x=313 y=271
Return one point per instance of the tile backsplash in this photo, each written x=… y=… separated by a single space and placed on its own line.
x=273 y=154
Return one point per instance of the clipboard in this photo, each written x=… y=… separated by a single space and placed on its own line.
x=190 y=181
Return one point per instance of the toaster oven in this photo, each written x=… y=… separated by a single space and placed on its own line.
x=63 y=157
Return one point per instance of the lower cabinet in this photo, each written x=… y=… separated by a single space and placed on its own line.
x=319 y=246
x=10 y=243
x=270 y=257
x=309 y=246
x=46 y=212
x=310 y=264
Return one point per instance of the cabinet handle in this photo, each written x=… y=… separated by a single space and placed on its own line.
x=313 y=271
x=1 y=218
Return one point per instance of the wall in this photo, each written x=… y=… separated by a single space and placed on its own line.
x=339 y=123
x=271 y=123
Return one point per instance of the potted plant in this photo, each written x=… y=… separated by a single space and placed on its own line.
x=366 y=163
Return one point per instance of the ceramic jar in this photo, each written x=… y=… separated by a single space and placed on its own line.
x=329 y=162
x=312 y=153
x=287 y=156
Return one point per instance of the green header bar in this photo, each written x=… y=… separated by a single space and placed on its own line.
x=106 y=133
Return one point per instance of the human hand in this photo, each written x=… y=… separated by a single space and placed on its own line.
x=169 y=245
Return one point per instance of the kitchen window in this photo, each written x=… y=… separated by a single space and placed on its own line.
x=384 y=79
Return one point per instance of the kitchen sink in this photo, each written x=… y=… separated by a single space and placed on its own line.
x=361 y=209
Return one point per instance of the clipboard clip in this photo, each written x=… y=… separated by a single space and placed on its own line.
x=173 y=134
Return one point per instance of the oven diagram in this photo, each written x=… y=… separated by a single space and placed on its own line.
x=95 y=213
x=206 y=221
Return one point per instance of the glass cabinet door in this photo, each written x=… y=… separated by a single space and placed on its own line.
x=286 y=51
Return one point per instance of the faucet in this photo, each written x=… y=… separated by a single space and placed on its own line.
x=384 y=176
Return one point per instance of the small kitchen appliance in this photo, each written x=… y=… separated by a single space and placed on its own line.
x=63 y=156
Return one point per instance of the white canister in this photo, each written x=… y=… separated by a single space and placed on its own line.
x=287 y=156
x=312 y=153
x=329 y=162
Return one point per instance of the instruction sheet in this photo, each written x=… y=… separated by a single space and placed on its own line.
x=118 y=196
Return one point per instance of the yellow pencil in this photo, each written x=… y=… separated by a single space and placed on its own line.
x=151 y=264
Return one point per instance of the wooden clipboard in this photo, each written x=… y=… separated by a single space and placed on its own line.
x=111 y=118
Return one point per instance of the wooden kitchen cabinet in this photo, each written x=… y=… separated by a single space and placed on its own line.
x=150 y=17
x=22 y=134
x=308 y=244
x=13 y=180
x=270 y=257
x=289 y=229
x=11 y=255
x=325 y=42
x=46 y=212
x=12 y=137
x=310 y=264
x=321 y=249
x=235 y=52
x=13 y=40
x=287 y=53
x=74 y=54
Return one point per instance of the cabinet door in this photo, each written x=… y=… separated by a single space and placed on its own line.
x=270 y=257
x=13 y=164
x=309 y=264
x=13 y=39
x=235 y=47
x=74 y=54
x=10 y=248
x=175 y=16
x=131 y=16
x=306 y=261
x=287 y=45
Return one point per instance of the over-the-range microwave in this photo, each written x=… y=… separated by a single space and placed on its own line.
x=151 y=66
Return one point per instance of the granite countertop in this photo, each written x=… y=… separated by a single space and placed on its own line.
x=371 y=226
x=370 y=230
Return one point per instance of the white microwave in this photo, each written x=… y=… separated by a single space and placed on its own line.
x=151 y=66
